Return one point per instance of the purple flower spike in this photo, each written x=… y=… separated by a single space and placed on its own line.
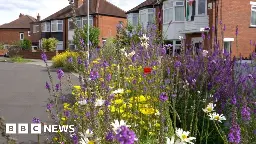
x=57 y=87
x=110 y=136
x=234 y=135
x=47 y=86
x=177 y=64
x=60 y=74
x=246 y=115
x=70 y=59
x=94 y=75
x=35 y=120
x=44 y=57
x=125 y=136
x=79 y=61
x=236 y=30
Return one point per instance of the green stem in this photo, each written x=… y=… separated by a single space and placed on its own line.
x=222 y=137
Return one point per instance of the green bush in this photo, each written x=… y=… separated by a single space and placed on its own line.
x=49 y=44
x=61 y=60
x=82 y=33
x=25 y=44
x=1 y=46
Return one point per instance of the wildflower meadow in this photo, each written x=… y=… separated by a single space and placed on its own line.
x=135 y=92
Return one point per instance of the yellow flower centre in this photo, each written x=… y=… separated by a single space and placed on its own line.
x=209 y=109
x=184 y=136
x=217 y=117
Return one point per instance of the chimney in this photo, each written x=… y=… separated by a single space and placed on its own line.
x=20 y=15
x=78 y=3
x=38 y=18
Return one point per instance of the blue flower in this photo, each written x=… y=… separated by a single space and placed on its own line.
x=60 y=74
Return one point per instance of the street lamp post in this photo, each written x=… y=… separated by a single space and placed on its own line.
x=88 y=33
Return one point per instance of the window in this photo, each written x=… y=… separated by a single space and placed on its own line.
x=57 y=26
x=253 y=15
x=46 y=27
x=79 y=22
x=135 y=19
x=179 y=11
x=168 y=12
x=21 y=36
x=72 y=46
x=143 y=18
x=227 y=45
x=71 y=24
x=151 y=16
x=35 y=28
x=90 y=21
x=201 y=7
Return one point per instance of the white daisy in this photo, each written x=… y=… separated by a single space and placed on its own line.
x=116 y=125
x=183 y=135
x=172 y=141
x=82 y=102
x=118 y=91
x=99 y=102
x=84 y=136
x=217 y=117
x=209 y=108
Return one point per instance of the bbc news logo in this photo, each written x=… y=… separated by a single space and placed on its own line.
x=23 y=128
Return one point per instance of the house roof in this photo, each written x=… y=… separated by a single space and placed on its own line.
x=22 y=22
x=146 y=3
x=105 y=8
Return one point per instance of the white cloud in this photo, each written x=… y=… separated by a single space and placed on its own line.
x=10 y=9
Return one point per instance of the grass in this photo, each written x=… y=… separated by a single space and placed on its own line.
x=19 y=59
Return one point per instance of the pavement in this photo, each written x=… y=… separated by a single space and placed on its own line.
x=23 y=95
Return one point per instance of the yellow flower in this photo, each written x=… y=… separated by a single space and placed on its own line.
x=118 y=101
x=148 y=111
x=112 y=109
x=77 y=87
x=101 y=79
x=157 y=125
x=101 y=112
x=55 y=138
x=66 y=106
x=91 y=142
x=140 y=98
x=63 y=118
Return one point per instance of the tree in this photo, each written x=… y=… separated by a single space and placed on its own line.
x=81 y=34
x=49 y=44
x=25 y=44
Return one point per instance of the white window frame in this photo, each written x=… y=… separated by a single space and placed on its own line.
x=22 y=34
x=90 y=20
x=29 y=33
x=72 y=43
x=253 y=5
x=175 y=5
x=197 y=7
x=57 y=22
x=45 y=26
x=229 y=40
x=146 y=12
x=165 y=8
x=153 y=12
x=35 y=28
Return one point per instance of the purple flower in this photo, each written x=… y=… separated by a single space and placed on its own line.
x=220 y=22
x=177 y=64
x=86 y=64
x=224 y=27
x=35 y=120
x=163 y=97
x=47 y=86
x=213 y=28
x=236 y=30
x=75 y=139
x=82 y=42
x=94 y=75
x=67 y=113
x=60 y=74
x=234 y=135
x=105 y=64
x=246 y=115
x=250 y=42
x=57 y=87
x=206 y=28
x=108 y=77
x=44 y=57
x=125 y=136
x=79 y=61
x=110 y=136
x=49 y=106
x=203 y=36
x=70 y=59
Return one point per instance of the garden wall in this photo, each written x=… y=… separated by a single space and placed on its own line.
x=37 y=55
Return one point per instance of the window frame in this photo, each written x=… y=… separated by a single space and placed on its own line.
x=44 y=27
x=174 y=12
x=167 y=8
x=253 y=5
x=22 y=33
x=57 y=22
x=197 y=8
x=90 y=20
x=229 y=40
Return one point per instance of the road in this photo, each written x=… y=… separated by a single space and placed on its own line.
x=23 y=95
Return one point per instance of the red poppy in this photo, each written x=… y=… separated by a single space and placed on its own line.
x=147 y=70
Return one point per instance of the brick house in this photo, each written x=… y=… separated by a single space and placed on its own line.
x=187 y=18
x=103 y=15
x=16 y=30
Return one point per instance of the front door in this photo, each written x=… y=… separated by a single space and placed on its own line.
x=196 y=42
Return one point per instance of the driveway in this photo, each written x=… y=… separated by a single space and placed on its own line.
x=23 y=95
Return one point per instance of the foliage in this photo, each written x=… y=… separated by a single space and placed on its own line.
x=1 y=46
x=49 y=44
x=25 y=44
x=80 y=37
x=62 y=60
x=14 y=50
x=19 y=59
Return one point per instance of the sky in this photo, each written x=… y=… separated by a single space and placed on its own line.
x=10 y=9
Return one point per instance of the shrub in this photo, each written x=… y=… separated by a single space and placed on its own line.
x=81 y=34
x=65 y=60
x=49 y=44
x=14 y=50
x=25 y=44
x=1 y=46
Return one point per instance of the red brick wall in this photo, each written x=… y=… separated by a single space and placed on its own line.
x=35 y=37
x=36 y=55
x=237 y=13
x=107 y=25
x=8 y=36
